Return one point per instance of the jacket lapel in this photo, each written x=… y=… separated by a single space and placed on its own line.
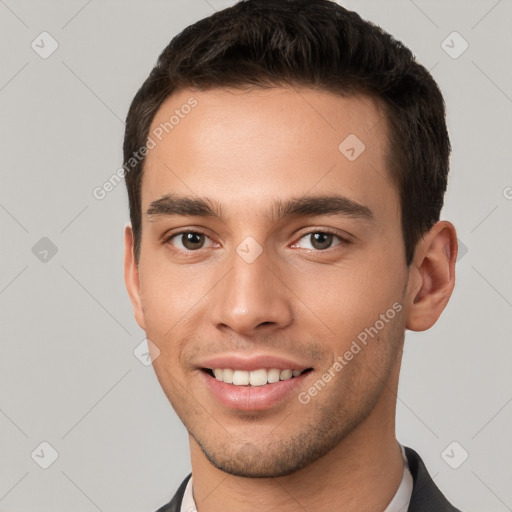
x=175 y=504
x=425 y=497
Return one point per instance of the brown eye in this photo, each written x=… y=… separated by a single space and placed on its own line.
x=187 y=240
x=320 y=240
x=192 y=240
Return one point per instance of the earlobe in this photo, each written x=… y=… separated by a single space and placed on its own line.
x=131 y=277
x=433 y=277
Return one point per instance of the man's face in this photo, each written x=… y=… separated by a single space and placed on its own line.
x=299 y=288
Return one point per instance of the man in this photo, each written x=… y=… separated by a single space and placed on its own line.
x=286 y=164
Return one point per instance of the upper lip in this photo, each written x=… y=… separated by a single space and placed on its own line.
x=238 y=362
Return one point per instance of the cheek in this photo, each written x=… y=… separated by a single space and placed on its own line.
x=350 y=298
x=170 y=294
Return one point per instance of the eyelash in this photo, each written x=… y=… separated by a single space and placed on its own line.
x=343 y=241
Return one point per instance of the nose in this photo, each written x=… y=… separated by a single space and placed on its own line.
x=252 y=297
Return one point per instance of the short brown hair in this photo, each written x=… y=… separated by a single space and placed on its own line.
x=312 y=43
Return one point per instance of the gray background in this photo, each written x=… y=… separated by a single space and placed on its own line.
x=69 y=376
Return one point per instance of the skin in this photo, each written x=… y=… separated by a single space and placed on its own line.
x=244 y=150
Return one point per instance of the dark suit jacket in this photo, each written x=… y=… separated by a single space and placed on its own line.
x=426 y=497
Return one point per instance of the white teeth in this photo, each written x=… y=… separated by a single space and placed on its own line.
x=227 y=375
x=240 y=378
x=258 y=377
x=273 y=375
x=285 y=375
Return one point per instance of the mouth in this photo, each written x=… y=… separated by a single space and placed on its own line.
x=259 y=390
x=254 y=378
x=254 y=382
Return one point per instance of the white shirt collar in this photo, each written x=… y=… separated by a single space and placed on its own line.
x=402 y=497
x=399 y=503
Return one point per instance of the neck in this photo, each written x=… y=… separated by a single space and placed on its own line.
x=363 y=472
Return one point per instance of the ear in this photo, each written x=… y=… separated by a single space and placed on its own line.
x=131 y=277
x=432 y=276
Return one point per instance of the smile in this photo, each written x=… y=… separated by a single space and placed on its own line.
x=258 y=377
x=254 y=390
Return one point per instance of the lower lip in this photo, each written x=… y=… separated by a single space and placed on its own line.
x=253 y=398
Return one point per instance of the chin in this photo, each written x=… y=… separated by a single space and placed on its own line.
x=279 y=458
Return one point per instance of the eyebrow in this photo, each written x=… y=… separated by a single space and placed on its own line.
x=332 y=204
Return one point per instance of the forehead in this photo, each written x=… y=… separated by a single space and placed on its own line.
x=243 y=147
